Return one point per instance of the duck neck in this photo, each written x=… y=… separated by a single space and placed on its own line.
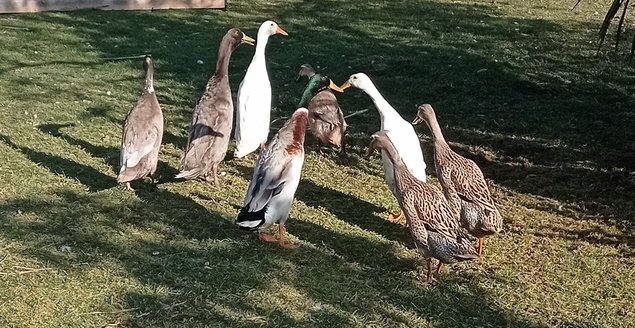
x=307 y=95
x=261 y=45
x=403 y=177
x=437 y=135
x=224 y=54
x=384 y=108
x=149 y=86
x=299 y=128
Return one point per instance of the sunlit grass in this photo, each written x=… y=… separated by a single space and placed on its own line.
x=516 y=87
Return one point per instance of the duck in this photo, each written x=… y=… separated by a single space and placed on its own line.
x=212 y=119
x=463 y=183
x=326 y=120
x=275 y=180
x=400 y=132
x=254 y=97
x=432 y=220
x=142 y=134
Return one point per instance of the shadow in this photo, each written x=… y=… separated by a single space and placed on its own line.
x=110 y=155
x=216 y=273
x=88 y=176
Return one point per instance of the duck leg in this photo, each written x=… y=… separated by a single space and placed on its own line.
x=267 y=238
x=212 y=176
x=281 y=241
x=438 y=268
x=392 y=217
x=128 y=186
x=262 y=146
x=479 y=248
x=429 y=278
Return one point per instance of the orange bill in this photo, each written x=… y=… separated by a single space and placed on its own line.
x=334 y=86
x=345 y=86
x=281 y=31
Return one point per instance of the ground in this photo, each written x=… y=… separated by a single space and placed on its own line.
x=517 y=87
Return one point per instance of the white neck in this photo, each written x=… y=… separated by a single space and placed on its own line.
x=261 y=44
x=383 y=107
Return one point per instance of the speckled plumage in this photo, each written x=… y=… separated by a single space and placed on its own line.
x=432 y=221
x=326 y=119
x=463 y=182
x=212 y=119
x=142 y=133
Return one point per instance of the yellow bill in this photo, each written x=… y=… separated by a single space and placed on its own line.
x=334 y=86
x=247 y=40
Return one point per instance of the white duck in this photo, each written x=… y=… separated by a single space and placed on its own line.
x=254 y=97
x=275 y=180
x=400 y=132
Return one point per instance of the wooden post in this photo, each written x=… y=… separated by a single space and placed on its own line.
x=24 y=6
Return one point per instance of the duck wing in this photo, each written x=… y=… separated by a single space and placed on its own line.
x=140 y=133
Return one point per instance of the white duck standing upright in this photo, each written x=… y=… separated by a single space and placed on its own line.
x=275 y=180
x=400 y=132
x=254 y=97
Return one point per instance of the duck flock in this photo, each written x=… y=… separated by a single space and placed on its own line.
x=443 y=224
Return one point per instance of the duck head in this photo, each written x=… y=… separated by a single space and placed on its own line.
x=317 y=83
x=236 y=37
x=269 y=28
x=424 y=113
x=305 y=70
x=359 y=80
x=378 y=141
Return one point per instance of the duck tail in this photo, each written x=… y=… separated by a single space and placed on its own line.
x=127 y=174
x=190 y=174
x=250 y=220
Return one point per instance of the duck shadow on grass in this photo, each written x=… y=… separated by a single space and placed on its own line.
x=86 y=175
x=109 y=154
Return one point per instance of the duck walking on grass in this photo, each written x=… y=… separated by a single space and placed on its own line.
x=142 y=134
x=275 y=180
x=433 y=222
x=326 y=119
x=212 y=119
x=254 y=97
x=463 y=183
x=400 y=132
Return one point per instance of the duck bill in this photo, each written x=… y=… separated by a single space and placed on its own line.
x=418 y=120
x=369 y=152
x=247 y=40
x=281 y=32
x=334 y=86
x=345 y=86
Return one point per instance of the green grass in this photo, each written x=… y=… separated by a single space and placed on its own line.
x=516 y=87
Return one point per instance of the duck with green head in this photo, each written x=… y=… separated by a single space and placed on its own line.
x=326 y=119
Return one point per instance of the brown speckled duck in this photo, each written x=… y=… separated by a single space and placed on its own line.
x=142 y=134
x=326 y=119
x=463 y=183
x=433 y=223
x=212 y=118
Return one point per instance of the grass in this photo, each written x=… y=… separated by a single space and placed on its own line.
x=516 y=85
